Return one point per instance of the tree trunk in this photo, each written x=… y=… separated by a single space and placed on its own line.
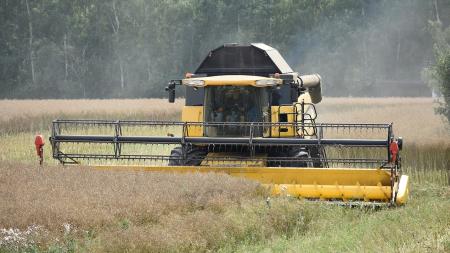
x=238 y=26
x=191 y=53
x=149 y=72
x=84 y=70
x=437 y=11
x=66 y=64
x=30 y=42
x=271 y=22
x=122 y=79
x=399 y=44
x=116 y=29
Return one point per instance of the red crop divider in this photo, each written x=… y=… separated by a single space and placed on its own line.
x=39 y=143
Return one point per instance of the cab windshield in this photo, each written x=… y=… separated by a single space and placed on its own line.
x=235 y=104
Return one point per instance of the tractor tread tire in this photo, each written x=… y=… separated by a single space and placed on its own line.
x=194 y=157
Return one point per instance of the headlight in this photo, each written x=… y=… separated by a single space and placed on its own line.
x=268 y=82
x=194 y=83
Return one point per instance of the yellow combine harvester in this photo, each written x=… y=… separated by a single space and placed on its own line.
x=248 y=114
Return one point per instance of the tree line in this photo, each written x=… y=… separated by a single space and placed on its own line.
x=111 y=48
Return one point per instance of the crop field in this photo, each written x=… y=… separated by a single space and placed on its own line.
x=57 y=208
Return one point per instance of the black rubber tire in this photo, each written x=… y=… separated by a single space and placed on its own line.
x=194 y=156
x=301 y=153
x=290 y=153
x=315 y=154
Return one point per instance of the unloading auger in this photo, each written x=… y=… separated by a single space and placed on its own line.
x=248 y=114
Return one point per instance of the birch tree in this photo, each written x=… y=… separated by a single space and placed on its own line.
x=116 y=28
x=30 y=42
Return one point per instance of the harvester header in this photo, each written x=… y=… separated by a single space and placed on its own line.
x=248 y=114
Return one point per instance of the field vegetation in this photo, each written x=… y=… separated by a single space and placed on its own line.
x=75 y=209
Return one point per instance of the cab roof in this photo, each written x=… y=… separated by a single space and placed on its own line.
x=256 y=59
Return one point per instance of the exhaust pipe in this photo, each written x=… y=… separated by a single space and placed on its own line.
x=312 y=83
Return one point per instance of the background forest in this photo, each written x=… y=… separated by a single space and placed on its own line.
x=104 y=49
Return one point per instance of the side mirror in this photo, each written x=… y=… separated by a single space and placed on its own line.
x=172 y=96
x=171 y=89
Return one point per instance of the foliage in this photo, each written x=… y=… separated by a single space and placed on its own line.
x=420 y=226
x=86 y=49
x=440 y=72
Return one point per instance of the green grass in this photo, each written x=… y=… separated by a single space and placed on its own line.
x=423 y=225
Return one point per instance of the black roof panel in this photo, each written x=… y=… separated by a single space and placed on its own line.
x=233 y=59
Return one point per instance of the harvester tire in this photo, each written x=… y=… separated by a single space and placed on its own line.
x=194 y=156
x=300 y=154
x=297 y=158
x=294 y=158
x=314 y=153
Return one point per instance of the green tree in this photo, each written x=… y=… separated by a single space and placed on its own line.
x=104 y=48
x=440 y=71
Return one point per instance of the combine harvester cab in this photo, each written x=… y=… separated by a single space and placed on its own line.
x=248 y=114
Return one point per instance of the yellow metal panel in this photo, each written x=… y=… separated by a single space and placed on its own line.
x=230 y=82
x=321 y=183
x=283 y=131
x=219 y=160
x=193 y=114
x=344 y=192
